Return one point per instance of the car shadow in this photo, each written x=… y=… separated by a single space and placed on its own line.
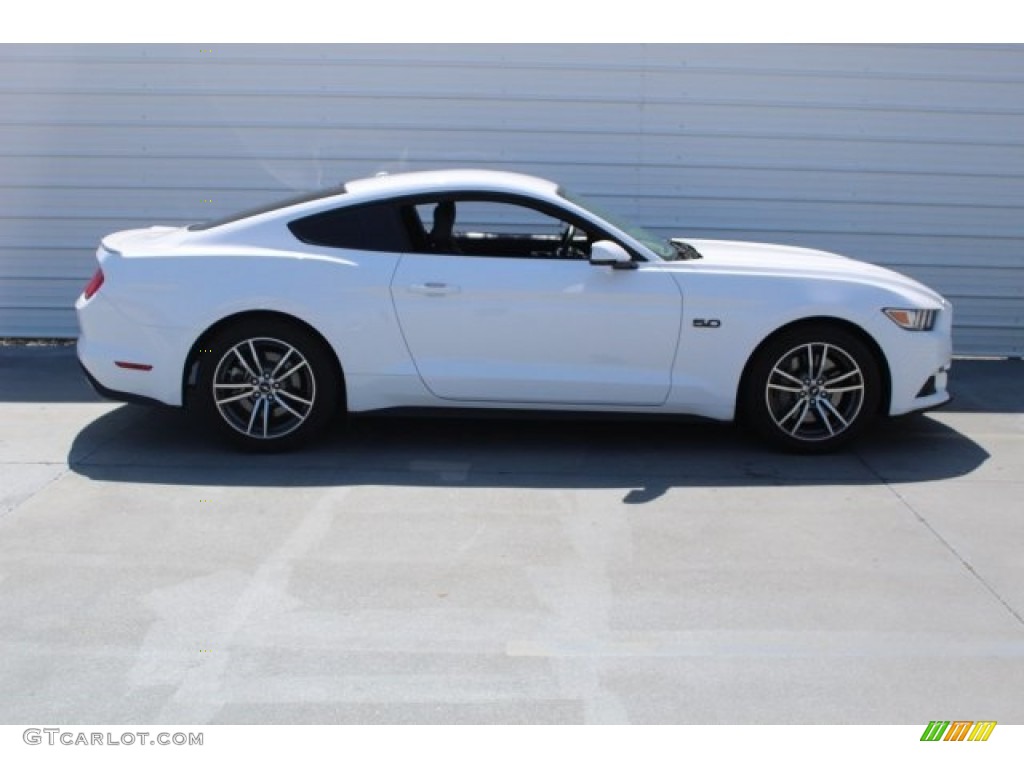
x=645 y=458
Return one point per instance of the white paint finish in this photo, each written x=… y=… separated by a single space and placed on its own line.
x=503 y=317
x=536 y=331
x=894 y=154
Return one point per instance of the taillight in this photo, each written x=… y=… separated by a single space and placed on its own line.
x=93 y=285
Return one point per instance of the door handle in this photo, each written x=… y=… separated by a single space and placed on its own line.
x=434 y=289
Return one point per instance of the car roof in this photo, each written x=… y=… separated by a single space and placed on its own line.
x=381 y=187
x=416 y=182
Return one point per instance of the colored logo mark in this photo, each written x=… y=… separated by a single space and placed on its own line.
x=958 y=730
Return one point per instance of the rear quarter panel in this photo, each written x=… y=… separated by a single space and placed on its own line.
x=170 y=299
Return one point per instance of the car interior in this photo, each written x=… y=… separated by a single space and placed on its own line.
x=488 y=228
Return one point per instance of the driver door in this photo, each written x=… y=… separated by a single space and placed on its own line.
x=507 y=308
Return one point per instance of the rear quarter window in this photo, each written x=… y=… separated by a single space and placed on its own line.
x=375 y=227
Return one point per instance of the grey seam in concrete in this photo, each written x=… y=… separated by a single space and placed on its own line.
x=7 y=512
x=953 y=550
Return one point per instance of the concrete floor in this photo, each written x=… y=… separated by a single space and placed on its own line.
x=506 y=571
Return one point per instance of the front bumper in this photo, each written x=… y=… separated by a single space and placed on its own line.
x=919 y=364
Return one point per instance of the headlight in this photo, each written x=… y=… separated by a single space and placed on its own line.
x=913 y=319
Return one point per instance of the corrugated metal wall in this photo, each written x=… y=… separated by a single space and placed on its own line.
x=908 y=156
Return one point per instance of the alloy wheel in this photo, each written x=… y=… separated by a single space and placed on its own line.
x=815 y=391
x=264 y=388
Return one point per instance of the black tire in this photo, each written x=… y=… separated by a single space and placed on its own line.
x=267 y=385
x=812 y=389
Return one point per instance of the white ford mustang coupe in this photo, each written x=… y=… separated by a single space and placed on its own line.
x=484 y=289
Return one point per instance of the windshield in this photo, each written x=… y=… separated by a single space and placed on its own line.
x=659 y=245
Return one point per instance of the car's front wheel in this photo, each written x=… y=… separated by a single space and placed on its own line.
x=812 y=389
x=267 y=385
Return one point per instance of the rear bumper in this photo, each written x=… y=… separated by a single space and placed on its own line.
x=113 y=394
x=107 y=337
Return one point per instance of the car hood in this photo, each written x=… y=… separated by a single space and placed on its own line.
x=786 y=260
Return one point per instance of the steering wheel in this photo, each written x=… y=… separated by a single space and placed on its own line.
x=564 y=250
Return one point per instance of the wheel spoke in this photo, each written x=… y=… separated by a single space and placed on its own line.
x=242 y=361
x=255 y=356
x=266 y=416
x=790 y=412
x=803 y=415
x=235 y=398
x=287 y=407
x=291 y=370
x=779 y=372
x=781 y=388
x=273 y=373
x=841 y=377
x=824 y=417
x=252 y=417
x=840 y=390
x=828 y=404
x=824 y=362
x=293 y=396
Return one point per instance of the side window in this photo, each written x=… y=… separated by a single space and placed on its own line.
x=362 y=228
x=474 y=227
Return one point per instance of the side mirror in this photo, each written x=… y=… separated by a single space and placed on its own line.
x=605 y=253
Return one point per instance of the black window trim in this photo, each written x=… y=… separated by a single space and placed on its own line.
x=279 y=204
x=414 y=240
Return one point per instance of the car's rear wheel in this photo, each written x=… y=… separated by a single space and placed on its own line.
x=812 y=389
x=267 y=385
